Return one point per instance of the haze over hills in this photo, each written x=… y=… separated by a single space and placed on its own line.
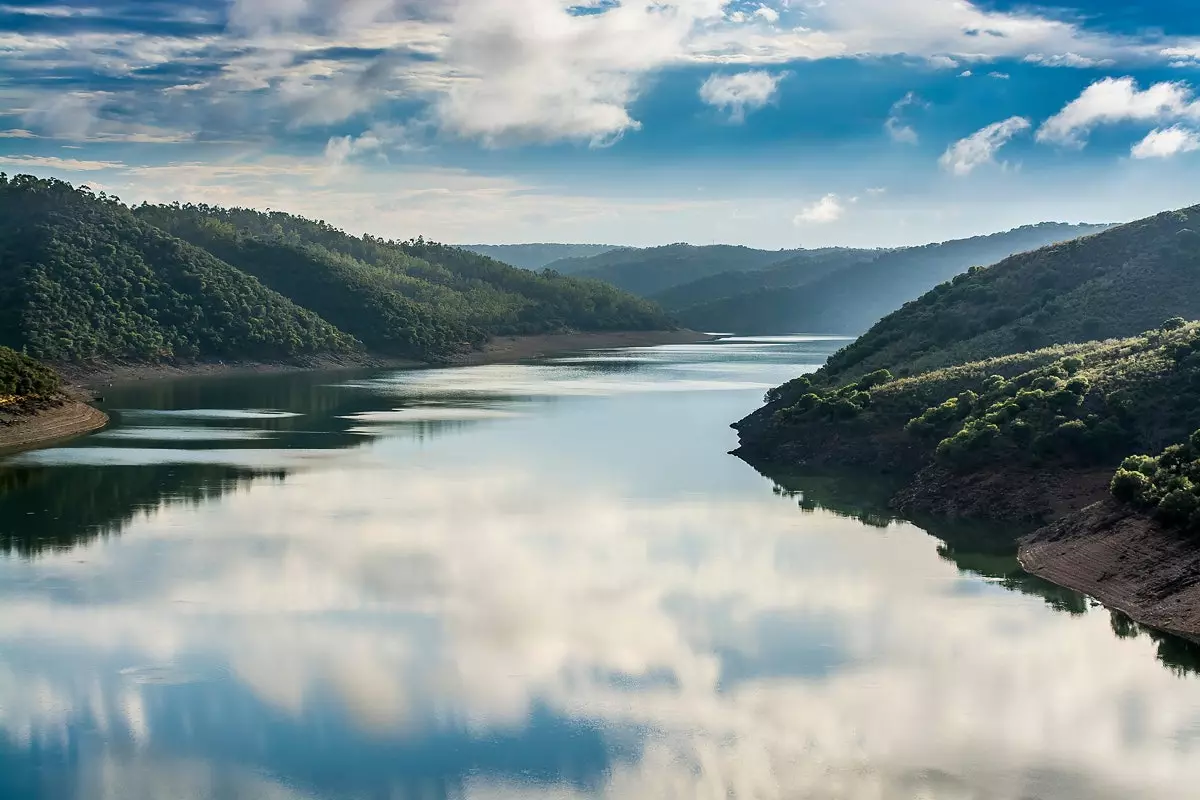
x=538 y=255
x=852 y=296
x=84 y=277
x=648 y=271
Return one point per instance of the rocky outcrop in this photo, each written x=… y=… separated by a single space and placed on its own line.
x=1125 y=560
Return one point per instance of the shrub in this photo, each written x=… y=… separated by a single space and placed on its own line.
x=1130 y=486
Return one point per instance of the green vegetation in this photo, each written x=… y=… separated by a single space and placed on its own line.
x=648 y=271
x=800 y=295
x=1113 y=284
x=1167 y=485
x=83 y=277
x=21 y=376
x=537 y=256
x=1075 y=406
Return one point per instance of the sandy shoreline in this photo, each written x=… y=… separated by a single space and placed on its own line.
x=45 y=426
x=502 y=349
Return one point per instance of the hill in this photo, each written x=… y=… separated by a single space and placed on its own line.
x=849 y=300
x=1016 y=436
x=1115 y=283
x=536 y=256
x=801 y=268
x=648 y=271
x=82 y=278
x=415 y=298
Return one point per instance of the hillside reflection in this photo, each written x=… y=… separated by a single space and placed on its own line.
x=976 y=547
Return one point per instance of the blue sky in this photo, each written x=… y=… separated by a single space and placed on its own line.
x=775 y=123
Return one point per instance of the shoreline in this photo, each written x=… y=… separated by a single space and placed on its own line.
x=45 y=426
x=1125 y=561
x=502 y=349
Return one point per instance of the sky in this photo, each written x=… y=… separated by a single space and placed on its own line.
x=771 y=123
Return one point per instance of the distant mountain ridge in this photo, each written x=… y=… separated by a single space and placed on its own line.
x=851 y=296
x=536 y=256
x=648 y=271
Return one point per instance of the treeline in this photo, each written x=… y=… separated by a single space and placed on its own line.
x=85 y=277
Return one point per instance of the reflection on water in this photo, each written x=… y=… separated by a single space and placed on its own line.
x=542 y=580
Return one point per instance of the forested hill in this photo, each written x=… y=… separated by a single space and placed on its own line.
x=84 y=277
x=537 y=256
x=648 y=271
x=1116 y=283
x=849 y=300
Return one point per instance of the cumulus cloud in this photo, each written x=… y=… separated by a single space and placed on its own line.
x=340 y=149
x=980 y=148
x=739 y=93
x=895 y=125
x=1114 y=100
x=1167 y=142
x=829 y=208
x=1067 y=60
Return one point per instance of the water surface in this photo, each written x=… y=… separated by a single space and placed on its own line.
x=544 y=580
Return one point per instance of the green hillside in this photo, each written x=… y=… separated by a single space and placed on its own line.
x=413 y=298
x=648 y=271
x=1059 y=411
x=22 y=376
x=537 y=256
x=851 y=299
x=801 y=268
x=82 y=278
x=1116 y=283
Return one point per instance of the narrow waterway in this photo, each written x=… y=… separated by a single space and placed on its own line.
x=544 y=580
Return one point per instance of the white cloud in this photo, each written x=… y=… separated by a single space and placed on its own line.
x=966 y=73
x=532 y=71
x=876 y=191
x=55 y=163
x=1067 y=60
x=828 y=209
x=1003 y=76
x=18 y=133
x=896 y=127
x=767 y=13
x=1114 y=100
x=942 y=62
x=980 y=148
x=1167 y=142
x=340 y=149
x=737 y=94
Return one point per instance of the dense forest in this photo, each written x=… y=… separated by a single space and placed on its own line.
x=537 y=256
x=85 y=277
x=1116 y=283
x=21 y=376
x=849 y=297
x=648 y=271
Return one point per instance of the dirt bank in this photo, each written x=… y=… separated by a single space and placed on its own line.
x=501 y=349
x=1126 y=561
x=42 y=423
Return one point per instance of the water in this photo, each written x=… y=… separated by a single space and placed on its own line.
x=537 y=581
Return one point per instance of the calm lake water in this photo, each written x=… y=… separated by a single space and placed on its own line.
x=545 y=580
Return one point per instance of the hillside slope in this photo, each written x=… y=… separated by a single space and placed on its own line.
x=416 y=298
x=536 y=256
x=1115 y=283
x=649 y=271
x=801 y=268
x=82 y=278
x=850 y=300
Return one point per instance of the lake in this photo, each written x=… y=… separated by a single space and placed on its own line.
x=542 y=580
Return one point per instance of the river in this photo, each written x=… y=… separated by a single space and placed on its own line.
x=543 y=580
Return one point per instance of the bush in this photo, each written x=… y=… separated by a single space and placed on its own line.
x=1130 y=486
